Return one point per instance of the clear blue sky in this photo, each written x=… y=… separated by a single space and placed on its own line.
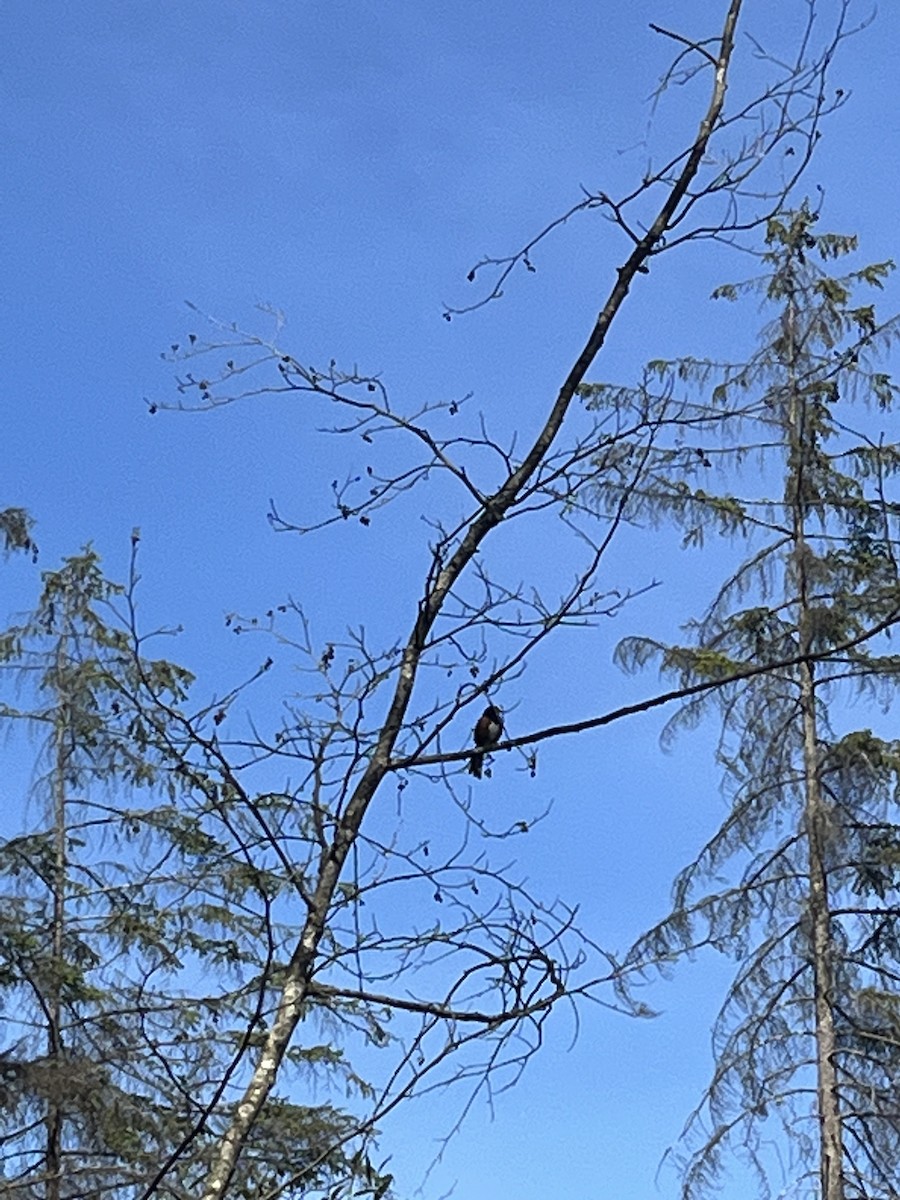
x=348 y=162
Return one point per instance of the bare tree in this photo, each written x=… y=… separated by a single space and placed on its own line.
x=469 y=990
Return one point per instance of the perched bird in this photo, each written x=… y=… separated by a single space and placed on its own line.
x=486 y=733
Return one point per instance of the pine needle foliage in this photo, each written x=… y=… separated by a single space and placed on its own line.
x=139 y=939
x=800 y=885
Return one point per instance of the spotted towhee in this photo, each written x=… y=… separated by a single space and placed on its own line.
x=487 y=731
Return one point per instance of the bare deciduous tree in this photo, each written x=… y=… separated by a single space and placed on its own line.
x=461 y=990
x=378 y=717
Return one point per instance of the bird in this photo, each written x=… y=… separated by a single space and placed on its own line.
x=486 y=733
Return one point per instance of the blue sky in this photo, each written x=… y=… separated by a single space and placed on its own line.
x=349 y=162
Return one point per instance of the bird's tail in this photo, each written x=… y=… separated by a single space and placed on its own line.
x=476 y=764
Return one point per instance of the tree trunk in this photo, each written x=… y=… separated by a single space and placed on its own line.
x=61 y=755
x=831 y=1151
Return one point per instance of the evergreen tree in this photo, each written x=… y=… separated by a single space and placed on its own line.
x=801 y=884
x=16 y=527
x=134 y=955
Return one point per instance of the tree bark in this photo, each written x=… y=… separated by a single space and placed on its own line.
x=815 y=816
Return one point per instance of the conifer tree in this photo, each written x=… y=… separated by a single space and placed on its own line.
x=801 y=883
x=135 y=960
